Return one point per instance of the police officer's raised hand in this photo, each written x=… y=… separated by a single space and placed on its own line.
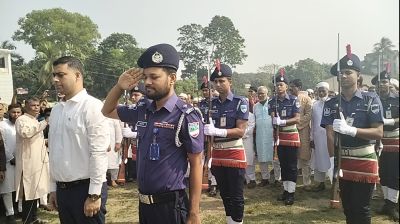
x=341 y=126
x=130 y=78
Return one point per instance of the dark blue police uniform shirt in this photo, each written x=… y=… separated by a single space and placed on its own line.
x=390 y=107
x=287 y=106
x=167 y=173
x=203 y=106
x=232 y=109
x=364 y=107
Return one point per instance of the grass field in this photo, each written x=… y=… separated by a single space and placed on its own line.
x=260 y=207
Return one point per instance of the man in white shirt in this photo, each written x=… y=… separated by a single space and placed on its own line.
x=78 y=142
x=7 y=130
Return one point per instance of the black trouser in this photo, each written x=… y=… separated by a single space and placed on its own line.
x=231 y=182
x=130 y=171
x=389 y=169
x=71 y=201
x=356 y=198
x=170 y=212
x=29 y=210
x=288 y=160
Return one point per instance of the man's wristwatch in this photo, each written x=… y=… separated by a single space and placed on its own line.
x=94 y=197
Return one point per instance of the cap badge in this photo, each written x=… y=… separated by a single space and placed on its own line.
x=219 y=73
x=349 y=62
x=282 y=78
x=136 y=88
x=157 y=58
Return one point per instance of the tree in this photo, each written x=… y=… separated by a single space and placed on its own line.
x=225 y=40
x=308 y=71
x=220 y=39
x=115 y=54
x=193 y=48
x=56 y=32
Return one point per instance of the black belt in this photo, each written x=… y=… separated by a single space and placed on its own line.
x=160 y=198
x=66 y=185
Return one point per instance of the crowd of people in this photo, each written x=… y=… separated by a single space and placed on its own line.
x=62 y=158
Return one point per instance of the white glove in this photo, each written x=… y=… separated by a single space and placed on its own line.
x=341 y=126
x=278 y=121
x=128 y=133
x=389 y=122
x=210 y=130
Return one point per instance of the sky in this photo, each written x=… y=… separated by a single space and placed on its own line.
x=279 y=32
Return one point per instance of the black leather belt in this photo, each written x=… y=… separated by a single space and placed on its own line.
x=66 y=185
x=160 y=198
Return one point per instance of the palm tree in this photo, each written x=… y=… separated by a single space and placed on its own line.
x=384 y=49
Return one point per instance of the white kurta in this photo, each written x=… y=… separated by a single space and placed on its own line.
x=320 y=158
x=248 y=140
x=7 y=130
x=115 y=137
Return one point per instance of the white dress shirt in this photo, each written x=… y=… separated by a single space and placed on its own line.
x=78 y=142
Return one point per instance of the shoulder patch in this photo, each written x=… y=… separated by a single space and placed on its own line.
x=327 y=111
x=243 y=108
x=194 y=129
x=297 y=103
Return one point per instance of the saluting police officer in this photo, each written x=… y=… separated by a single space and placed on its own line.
x=288 y=109
x=360 y=125
x=170 y=134
x=389 y=158
x=229 y=114
x=204 y=108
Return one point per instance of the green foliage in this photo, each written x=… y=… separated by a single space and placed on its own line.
x=56 y=32
x=201 y=45
x=72 y=33
x=227 y=43
x=116 y=53
x=188 y=86
x=383 y=51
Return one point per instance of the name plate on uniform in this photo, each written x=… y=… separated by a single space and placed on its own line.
x=141 y=124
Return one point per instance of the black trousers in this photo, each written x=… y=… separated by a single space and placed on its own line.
x=130 y=171
x=389 y=169
x=231 y=182
x=356 y=198
x=172 y=212
x=287 y=156
x=71 y=201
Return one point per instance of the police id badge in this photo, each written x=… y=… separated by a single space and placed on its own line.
x=222 y=121
x=388 y=114
x=283 y=113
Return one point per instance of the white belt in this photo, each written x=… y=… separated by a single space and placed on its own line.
x=358 y=151
x=230 y=144
x=391 y=134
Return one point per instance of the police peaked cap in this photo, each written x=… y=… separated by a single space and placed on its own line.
x=139 y=88
x=204 y=85
x=383 y=75
x=281 y=78
x=160 y=55
x=347 y=63
x=226 y=71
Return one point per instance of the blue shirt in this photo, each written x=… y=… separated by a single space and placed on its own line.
x=225 y=114
x=167 y=173
x=363 y=109
x=287 y=106
x=390 y=107
x=203 y=106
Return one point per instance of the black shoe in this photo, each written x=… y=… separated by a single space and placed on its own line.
x=252 y=184
x=263 y=183
x=283 y=196
x=289 y=199
x=277 y=183
x=213 y=191
x=319 y=188
x=11 y=220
